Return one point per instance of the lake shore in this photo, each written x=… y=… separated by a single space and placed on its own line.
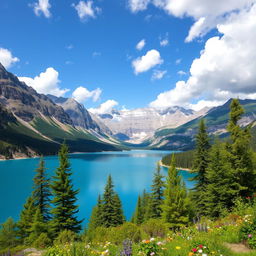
x=179 y=168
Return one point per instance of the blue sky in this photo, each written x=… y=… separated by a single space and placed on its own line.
x=98 y=51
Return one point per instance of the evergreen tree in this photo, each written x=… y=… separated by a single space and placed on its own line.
x=201 y=161
x=111 y=207
x=26 y=217
x=220 y=178
x=175 y=205
x=65 y=210
x=8 y=234
x=38 y=227
x=138 y=217
x=41 y=193
x=241 y=154
x=96 y=216
x=157 y=195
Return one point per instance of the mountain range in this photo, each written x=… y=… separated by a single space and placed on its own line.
x=32 y=124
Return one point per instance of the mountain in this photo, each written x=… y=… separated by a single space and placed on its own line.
x=182 y=137
x=79 y=114
x=138 y=124
x=32 y=124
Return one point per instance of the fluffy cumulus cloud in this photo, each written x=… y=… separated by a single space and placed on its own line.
x=226 y=66
x=86 y=10
x=140 y=45
x=81 y=94
x=164 y=42
x=105 y=107
x=6 y=58
x=42 y=7
x=146 y=62
x=47 y=82
x=206 y=13
x=158 y=74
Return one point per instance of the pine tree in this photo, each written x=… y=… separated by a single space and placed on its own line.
x=111 y=207
x=241 y=154
x=41 y=193
x=38 y=227
x=138 y=216
x=220 y=178
x=65 y=210
x=8 y=234
x=96 y=216
x=200 y=165
x=26 y=217
x=175 y=205
x=157 y=195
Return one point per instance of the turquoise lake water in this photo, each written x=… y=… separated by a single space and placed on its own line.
x=132 y=172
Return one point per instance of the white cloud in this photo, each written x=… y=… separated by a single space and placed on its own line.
x=146 y=62
x=96 y=54
x=226 y=67
x=206 y=13
x=140 y=45
x=178 y=61
x=70 y=46
x=138 y=5
x=164 y=42
x=105 y=107
x=85 y=10
x=81 y=94
x=158 y=74
x=6 y=58
x=42 y=7
x=47 y=82
x=181 y=73
x=205 y=103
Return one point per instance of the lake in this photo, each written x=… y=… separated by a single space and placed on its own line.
x=132 y=172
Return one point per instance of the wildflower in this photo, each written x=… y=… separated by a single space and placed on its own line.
x=152 y=253
x=200 y=250
x=191 y=254
x=194 y=250
x=178 y=247
x=152 y=239
x=200 y=246
x=204 y=254
x=159 y=243
x=250 y=236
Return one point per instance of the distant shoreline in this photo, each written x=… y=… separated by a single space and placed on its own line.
x=179 y=168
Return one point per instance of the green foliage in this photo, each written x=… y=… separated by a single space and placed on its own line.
x=156 y=197
x=200 y=165
x=65 y=210
x=26 y=217
x=112 y=213
x=175 y=205
x=43 y=241
x=41 y=193
x=149 y=248
x=8 y=234
x=138 y=216
x=65 y=237
x=155 y=228
x=183 y=159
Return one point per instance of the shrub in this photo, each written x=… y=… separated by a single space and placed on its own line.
x=43 y=241
x=65 y=237
x=155 y=228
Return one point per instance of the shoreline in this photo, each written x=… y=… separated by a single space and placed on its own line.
x=178 y=168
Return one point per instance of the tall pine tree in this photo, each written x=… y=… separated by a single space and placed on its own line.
x=111 y=206
x=41 y=193
x=157 y=195
x=241 y=154
x=65 y=209
x=200 y=165
x=138 y=216
x=8 y=234
x=96 y=216
x=175 y=205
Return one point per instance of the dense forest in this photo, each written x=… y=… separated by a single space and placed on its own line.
x=168 y=220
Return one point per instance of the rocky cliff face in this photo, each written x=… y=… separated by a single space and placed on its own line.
x=138 y=124
x=79 y=115
x=25 y=102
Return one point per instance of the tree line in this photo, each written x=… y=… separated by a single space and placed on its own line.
x=224 y=172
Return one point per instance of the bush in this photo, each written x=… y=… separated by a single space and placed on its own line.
x=43 y=241
x=65 y=237
x=248 y=231
x=155 y=228
x=127 y=231
x=100 y=234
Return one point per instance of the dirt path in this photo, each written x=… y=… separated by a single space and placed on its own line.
x=238 y=248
